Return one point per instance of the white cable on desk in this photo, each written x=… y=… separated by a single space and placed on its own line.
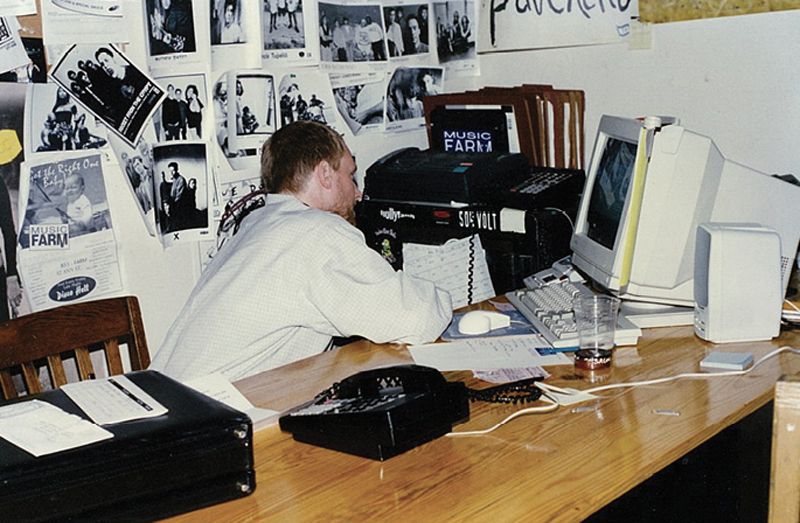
x=530 y=410
x=554 y=404
x=694 y=374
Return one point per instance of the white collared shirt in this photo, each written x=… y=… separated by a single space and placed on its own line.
x=292 y=278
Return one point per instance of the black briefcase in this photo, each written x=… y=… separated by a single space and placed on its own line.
x=200 y=453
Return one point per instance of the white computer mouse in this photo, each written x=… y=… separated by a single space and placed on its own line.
x=481 y=322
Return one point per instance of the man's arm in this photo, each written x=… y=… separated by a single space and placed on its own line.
x=361 y=295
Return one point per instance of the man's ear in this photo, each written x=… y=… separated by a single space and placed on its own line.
x=324 y=174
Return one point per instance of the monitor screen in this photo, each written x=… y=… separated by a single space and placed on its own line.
x=609 y=191
x=462 y=129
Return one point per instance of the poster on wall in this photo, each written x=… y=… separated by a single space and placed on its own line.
x=351 y=33
x=182 y=113
x=656 y=11
x=67 y=249
x=110 y=86
x=178 y=35
x=12 y=51
x=182 y=188
x=252 y=112
x=85 y=21
x=404 y=92
x=307 y=95
x=504 y=25
x=359 y=99
x=408 y=30
x=288 y=33
x=235 y=37
x=55 y=122
x=137 y=165
x=224 y=157
x=456 y=36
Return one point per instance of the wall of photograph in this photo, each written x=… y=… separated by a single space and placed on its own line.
x=128 y=126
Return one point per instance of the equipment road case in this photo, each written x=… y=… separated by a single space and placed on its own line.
x=197 y=454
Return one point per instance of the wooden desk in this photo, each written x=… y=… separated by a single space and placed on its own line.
x=560 y=466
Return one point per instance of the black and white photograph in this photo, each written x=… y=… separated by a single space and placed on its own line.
x=57 y=123
x=110 y=86
x=407 y=29
x=170 y=25
x=360 y=101
x=181 y=187
x=137 y=165
x=227 y=24
x=405 y=90
x=68 y=191
x=351 y=33
x=236 y=159
x=283 y=24
x=307 y=96
x=455 y=34
x=181 y=114
x=252 y=112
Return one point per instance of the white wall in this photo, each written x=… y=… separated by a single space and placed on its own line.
x=733 y=79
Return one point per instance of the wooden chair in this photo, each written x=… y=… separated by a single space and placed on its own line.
x=784 y=492
x=70 y=332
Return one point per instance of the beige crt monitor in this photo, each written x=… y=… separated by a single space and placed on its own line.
x=648 y=187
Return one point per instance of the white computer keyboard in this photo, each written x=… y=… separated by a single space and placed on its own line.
x=547 y=304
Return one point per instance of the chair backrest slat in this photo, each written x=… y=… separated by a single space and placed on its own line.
x=31 y=378
x=113 y=359
x=55 y=365
x=7 y=384
x=84 y=362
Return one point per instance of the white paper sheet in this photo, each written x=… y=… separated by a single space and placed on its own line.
x=41 y=428
x=85 y=21
x=448 y=265
x=12 y=52
x=488 y=353
x=17 y=7
x=113 y=400
x=218 y=387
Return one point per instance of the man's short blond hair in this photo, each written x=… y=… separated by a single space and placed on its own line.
x=292 y=153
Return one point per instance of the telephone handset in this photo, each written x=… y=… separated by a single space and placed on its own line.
x=380 y=413
x=399 y=379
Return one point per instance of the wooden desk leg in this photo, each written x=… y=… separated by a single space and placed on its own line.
x=784 y=492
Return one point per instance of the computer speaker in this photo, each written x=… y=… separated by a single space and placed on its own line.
x=738 y=290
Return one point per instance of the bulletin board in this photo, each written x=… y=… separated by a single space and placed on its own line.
x=657 y=11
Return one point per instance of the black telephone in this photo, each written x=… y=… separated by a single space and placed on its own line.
x=380 y=413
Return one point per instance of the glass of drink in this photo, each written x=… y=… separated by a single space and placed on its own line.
x=596 y=320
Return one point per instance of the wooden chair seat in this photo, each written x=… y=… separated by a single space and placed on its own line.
x=70 y=332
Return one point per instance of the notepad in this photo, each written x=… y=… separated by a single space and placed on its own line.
x=727 y=360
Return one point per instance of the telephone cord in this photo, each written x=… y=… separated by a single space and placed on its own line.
x=555 y=404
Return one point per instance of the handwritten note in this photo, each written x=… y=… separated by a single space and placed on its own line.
x=458 y=266
x=41 y=428
x=531 y=24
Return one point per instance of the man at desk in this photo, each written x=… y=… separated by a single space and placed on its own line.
x=297 y=273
